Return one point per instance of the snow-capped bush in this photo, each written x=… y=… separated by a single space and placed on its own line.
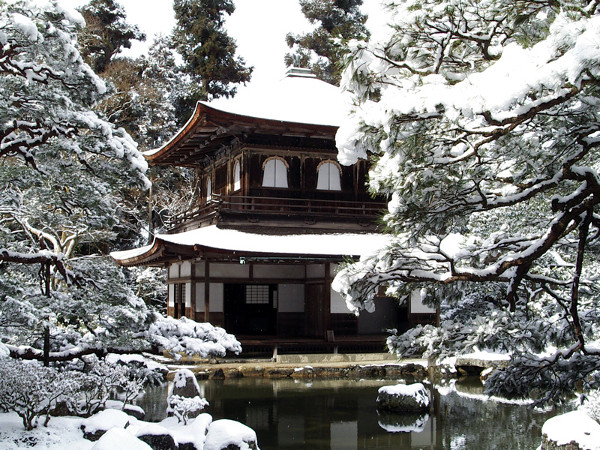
x=183 y=407
x=101 y=380
x=33 y=391
x=193 y=338
x=591 y=405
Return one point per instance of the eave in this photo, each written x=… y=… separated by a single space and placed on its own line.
x=209 y=129
x=213 y=243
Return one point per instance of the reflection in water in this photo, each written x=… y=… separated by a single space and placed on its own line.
x=403 y=423
x=341 y=414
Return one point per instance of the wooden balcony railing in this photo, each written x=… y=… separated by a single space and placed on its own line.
x=278 y=206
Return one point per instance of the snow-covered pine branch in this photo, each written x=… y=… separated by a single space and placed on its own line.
x=482 y=122
x=48 y=92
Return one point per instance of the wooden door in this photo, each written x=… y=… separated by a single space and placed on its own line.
x=250 y=309
x=315 y=310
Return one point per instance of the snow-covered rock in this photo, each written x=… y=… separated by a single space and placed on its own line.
x=184 y=400
x=574 y=430
x=231 y=435
x=97 y=425
x=117 y=438
x=185 y=384
x=403 y=398
x=133 y=410
x=157 y=437
x=189 y=436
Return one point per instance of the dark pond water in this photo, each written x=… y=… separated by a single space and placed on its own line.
x=341 y=414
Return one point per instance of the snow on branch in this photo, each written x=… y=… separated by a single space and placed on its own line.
x=482 y=123
x=44 y=257
x=177 y=336
x=48 y=93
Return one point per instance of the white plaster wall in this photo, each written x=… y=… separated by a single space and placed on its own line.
x=171 y=296
x=199 y=297
x=315 y=271
x=199 y=269
x=229 y=270
x=174 y=270
x=416 y=303
x=338 y=304
x=216 y=297
x=185 y=271
x=291 y=298
x=334 y=269
x=278 y=271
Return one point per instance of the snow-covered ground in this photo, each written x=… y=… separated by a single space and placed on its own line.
x=66 y=432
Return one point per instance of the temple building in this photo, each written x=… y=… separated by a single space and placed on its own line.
x=276 y=216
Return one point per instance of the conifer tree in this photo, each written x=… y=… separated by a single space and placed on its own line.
x=323 y=49
x=482 y=122
x=207 y=51
x=63 y=168
x=106 y=33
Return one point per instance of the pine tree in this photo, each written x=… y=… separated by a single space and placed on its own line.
x=482 y=122
x=62 y=173
x=207 y=51
x=323 y=50
x=106 y=33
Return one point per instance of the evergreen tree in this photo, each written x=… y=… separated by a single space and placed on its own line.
x=323 y=50
x=482 y=120
x=207 y=51
x=63 y=168
x=106 y=33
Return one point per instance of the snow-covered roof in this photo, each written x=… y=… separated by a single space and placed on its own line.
x=212 y=237
x=298 y=97
x=298 y=105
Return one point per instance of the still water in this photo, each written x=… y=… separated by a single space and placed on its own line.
x=341 y=414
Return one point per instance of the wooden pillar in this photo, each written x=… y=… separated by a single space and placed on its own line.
x=191 y=313
x=207 y=291
x=327 y=298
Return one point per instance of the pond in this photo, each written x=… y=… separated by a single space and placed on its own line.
x=341 y=414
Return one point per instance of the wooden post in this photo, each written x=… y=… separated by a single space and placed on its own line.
x=46 y=346
x=327 y=297
x=207 y=291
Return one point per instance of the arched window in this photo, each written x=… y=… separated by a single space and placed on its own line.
x=329 y=176
x=275 y=173
x=237 y=176
x=208 y=189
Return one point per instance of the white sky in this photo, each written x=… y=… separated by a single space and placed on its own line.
x=258 y=26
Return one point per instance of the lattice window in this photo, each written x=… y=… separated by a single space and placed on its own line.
x=257 y=294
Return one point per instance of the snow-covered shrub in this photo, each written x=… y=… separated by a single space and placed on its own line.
x=182 y=407
x=32 y=391
x=151 y=286
x=591 y=405
x=101 y=380
x=488 y=187
x=193 y=338
x=140 y=367
x=476 y=322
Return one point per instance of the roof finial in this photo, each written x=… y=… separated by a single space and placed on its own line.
x=300 y=72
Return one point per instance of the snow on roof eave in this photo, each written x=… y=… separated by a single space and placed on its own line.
x=136 y=256
x=211 y=238
x=328 y=245
x=200 y=113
